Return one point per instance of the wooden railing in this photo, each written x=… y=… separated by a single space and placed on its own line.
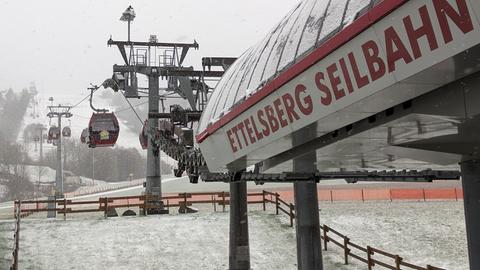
x=350 y=249
x=329 y=235
x=280 y=205
x=104 y=204
x=366 y=254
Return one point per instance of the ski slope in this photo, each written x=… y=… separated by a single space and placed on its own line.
x=200 y=241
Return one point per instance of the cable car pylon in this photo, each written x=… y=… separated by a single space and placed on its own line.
x=55 y=135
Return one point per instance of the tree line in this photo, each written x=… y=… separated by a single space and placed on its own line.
x=109 y=164
x=13 y=176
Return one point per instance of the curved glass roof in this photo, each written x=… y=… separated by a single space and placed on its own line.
x=302 y=30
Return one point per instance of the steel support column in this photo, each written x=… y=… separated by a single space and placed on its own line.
x=153 y=185
x=59 y=171
x=239 y=258
x=309 y=250
x=471 y=200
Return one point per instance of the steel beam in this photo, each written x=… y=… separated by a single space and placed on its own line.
x=168 y=71
x=111 y=42
x=224 y=62
x=153 y=185
x=191 y=116
x=349 y=176
x=471 y=200
x=239 y=257
x=309 y=250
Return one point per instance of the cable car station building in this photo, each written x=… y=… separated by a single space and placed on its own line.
x=345 y=85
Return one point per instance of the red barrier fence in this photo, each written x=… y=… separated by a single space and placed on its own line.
x=336 y=195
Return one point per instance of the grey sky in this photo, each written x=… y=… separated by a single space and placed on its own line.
x=61 y=44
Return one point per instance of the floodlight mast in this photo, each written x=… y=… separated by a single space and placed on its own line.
x=127 y=16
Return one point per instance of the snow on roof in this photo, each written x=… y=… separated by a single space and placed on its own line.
x=303 y=29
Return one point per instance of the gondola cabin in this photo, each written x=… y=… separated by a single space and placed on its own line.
x=103 y=130
x=84 y=136
x=53 y=133
x=66 y=132
x=143 y=136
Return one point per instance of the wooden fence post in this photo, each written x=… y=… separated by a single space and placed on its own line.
x=214 y=199
x=263 y=200
x=369 y=257
x=331 y=196
x=398 y=261
x=15 y=209
x=17 y=233
x=64 y=209
x=456 y=196
x=292 y=215
x=276 y=203
x=363 y=196
x=223 y=200
x=346 y=249
x=424 y=197
x=145 y=205
x=390 y=192
x=325 y=237
x=185 y=201
x=105 y=213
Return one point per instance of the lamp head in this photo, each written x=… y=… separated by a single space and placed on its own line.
x=128 y=15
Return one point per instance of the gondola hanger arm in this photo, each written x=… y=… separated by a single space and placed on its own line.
x=92 y=89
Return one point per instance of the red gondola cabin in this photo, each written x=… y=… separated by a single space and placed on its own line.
x=103 y=130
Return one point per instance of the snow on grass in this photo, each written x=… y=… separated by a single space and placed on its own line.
x=422 y=233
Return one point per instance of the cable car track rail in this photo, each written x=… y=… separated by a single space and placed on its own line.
x=191 y=160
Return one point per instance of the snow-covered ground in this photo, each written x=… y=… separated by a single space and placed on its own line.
x=422 y=233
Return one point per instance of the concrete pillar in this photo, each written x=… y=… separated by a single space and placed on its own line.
x=309 y=249
x=471 y=200
x=239 y=258
x=153 y=184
